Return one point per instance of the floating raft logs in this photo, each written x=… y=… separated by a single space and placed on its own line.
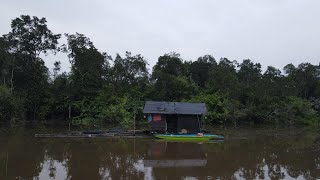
x=96 y=134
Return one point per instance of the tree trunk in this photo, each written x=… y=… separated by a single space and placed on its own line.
x=69 y=112
x=11 y=81
x=34 y=113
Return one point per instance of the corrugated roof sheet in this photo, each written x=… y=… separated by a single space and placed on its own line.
x=159 y=107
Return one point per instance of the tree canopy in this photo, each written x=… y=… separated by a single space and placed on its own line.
x=105 y=90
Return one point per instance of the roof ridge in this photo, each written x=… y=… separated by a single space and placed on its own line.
x=165 y=107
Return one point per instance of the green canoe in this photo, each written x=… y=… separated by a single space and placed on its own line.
x=188 y=137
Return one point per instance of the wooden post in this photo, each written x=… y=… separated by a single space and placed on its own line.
x=7 y=163
x=199 y=123
x=69 y=116
x=134 y=123
x=69 y=112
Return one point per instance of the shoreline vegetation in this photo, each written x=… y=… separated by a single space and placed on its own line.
x=101 y=90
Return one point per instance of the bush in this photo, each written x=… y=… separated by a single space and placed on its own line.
x=295 y=111
x=216 y=106
x=107 y=111
x=11 y=107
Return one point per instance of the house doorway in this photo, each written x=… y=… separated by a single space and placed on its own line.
x=172 y=123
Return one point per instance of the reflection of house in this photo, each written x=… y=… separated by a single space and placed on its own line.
x=172 y=154
x=176 y=163
x=172 y=117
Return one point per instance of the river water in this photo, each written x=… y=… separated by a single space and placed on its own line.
x=245 y=154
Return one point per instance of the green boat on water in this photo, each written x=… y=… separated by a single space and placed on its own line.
x=188 y=137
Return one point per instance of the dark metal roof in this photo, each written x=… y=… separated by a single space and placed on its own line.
x=158 y=107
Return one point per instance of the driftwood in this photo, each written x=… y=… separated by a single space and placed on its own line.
x=93 y=135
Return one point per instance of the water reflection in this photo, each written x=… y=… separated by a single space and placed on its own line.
x=256 y=157
x=175 y=155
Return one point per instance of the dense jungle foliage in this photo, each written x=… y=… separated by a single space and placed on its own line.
x=105 y=90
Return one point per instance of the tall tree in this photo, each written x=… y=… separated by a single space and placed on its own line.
x=129 y=73
x=273 y=82
x=223 y=77
x=170 y=80
x=250 y=77
x=31 y=36
x=200 y=69
x=304 y=80
x=87 y=65
x=250 y=96
x=28 y=39
x=6 y=60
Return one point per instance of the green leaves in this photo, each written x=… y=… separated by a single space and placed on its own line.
x=101 y=90
x=107 y=110
x=216 y=106
x=129 y=75
x=294 y=111
x=172 y=81
x=11 y=107
x=23 y=67
x=31 y=36
x=87 y=66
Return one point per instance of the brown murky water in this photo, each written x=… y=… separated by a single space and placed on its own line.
x=245 y=154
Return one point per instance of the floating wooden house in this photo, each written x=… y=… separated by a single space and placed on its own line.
x=174 y=117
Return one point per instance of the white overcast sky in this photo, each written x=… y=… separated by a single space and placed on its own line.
x=272 y=32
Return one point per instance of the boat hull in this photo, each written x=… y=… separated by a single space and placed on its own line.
x=188 y=137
